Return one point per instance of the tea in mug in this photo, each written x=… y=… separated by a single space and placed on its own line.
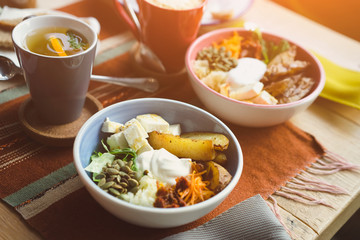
x=56 y=41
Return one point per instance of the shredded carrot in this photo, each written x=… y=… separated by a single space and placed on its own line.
x=232 y=44
x=197 y=190
x=57 y=46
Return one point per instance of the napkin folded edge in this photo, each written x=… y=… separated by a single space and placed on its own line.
x=249 y=219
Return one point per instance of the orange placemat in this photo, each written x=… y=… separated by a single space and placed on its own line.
x=46 y=191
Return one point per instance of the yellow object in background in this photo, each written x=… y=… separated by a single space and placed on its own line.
x=342 y=85
x=237 y=22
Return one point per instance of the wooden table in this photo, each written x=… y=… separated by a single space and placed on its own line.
x=336 y=126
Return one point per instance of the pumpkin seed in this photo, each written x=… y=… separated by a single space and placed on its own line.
x=132 y=183
x=123 y=184
x=117 y=186
x=101 y=182
x=112 y=171
x=107 y=185
x=138 y=175
x=218 y=58
x=121 y=163
x=118 y=178
x=132 y=174
x=109 y=179
x=100 y=176
x=124 y=180
x=125 y=169
x=114 y=191
x=116 y=166
x=122 y=174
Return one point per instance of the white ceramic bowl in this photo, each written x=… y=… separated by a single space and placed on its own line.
x=243 y=113
x=191 y=118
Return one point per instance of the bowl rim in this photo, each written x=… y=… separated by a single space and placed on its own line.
x=188 y=63
x=164 y=211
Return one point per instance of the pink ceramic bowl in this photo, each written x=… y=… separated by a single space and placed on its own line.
x=243 y=113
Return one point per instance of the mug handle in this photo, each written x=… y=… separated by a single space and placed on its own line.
x=129 y=20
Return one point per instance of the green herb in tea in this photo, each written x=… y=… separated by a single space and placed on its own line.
x=56 y=41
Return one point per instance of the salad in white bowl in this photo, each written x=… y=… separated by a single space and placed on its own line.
x=149 y=162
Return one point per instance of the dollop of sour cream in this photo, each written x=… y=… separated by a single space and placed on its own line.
x=248 y=71
x=163 y=165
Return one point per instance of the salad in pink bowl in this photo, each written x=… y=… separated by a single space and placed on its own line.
x=253 y=78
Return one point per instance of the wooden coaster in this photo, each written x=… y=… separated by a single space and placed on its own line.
x=55 y=135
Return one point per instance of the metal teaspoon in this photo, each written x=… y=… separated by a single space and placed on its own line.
x=8 y=70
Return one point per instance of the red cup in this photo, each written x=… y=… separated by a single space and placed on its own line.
x=167 y=32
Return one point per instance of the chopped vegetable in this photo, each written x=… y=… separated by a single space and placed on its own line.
x=75 y=43
x=232 y=44
x=56 y=44
x=129 y=154
x=220 y=141
x=99 y=161
x=274 y=49
x=263 y=45
x=270 y=49
x=197 y=190
x=183 y=147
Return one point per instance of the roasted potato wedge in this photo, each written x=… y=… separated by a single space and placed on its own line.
x=220 y=141
x=218 y=176
x=220 y=158
x=202 y=150
x=224 y=176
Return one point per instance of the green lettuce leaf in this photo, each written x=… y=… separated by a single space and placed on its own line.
x=98 y=162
